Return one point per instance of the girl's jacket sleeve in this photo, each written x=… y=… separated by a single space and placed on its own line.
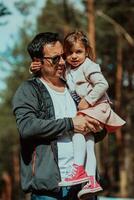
x=95 y=77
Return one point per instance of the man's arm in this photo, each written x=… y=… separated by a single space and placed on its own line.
x=26 y=109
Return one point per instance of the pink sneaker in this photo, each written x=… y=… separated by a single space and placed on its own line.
x=90 y=189
x=77 y=176
x=94 y=185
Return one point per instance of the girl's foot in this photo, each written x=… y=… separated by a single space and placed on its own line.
x=77 y=176
x=91 y=188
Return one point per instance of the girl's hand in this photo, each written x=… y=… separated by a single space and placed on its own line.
x=83 y=104
x=35 y=66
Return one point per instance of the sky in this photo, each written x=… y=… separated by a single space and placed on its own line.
x=10 y=25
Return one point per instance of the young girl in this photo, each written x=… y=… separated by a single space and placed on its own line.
x=88 y=87
x=84 y=77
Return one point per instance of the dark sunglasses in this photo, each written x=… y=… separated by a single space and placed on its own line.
x=56 y=59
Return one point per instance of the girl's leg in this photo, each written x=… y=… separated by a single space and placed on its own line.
x=92 y=187
x=79 y=145
x=91 y=158
x=78 y=174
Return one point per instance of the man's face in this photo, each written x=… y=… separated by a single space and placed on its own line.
x=53 y=65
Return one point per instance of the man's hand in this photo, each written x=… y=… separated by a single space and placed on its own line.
x=83 y=104
x=85 y=124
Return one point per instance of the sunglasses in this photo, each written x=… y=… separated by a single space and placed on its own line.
x=56 y=59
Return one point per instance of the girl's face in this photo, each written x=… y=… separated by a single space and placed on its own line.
x=76 y=56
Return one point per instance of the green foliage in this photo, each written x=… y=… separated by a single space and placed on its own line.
x=23 y=7
x=60 y=16
x=9 y=135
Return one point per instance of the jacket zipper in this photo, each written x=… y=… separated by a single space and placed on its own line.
x=33 y=162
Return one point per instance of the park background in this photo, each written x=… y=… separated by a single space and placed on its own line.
x=109 y=25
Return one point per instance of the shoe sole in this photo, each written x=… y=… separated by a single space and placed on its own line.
x=71 y=183
x=83 y=195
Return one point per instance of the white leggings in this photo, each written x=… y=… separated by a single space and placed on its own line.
x=84 y=153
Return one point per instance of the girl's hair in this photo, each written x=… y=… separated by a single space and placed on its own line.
x=75 y=36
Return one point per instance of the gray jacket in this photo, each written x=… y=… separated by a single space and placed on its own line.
x=35 y=118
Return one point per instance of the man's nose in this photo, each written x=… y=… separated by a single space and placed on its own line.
x=62 y=61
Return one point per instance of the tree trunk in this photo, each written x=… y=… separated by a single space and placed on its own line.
x=7 y=189
x=91 y=26
x=16 y=173
x=119 y=138
x=119 y=74
x=129 y=150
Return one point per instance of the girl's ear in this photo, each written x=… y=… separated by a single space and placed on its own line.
x=87 y=51
x=87 y=54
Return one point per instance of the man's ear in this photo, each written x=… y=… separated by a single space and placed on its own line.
x=39 y=59
x=36 y=59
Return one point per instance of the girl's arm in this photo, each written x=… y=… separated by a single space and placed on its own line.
x=99 y=84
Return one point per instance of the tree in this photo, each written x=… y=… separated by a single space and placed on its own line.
x=60 y=16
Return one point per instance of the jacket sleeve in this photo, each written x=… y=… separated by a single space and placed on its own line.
x=99 y=84
x=26 y=110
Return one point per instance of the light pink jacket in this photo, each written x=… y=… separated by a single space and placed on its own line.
x=88 y=81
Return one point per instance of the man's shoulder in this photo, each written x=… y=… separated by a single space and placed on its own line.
x=26 y=86
x=28 y=83
x=26 y=90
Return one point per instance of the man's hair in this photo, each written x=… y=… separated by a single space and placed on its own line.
x=35 y=47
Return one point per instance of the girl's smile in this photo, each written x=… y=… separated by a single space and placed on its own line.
x=76 y=56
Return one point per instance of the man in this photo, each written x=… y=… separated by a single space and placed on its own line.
x=45 y=113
